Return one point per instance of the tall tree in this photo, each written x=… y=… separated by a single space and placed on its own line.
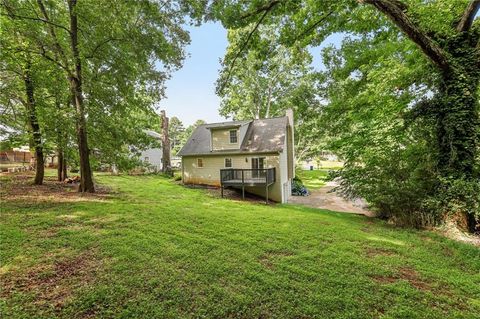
x=175 y=131
x=444 y=32
x=265 y=79
x=113 y=54
x=22 y=70
x=34 y=127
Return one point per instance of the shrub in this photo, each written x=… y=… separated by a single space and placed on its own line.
x=298 y=189
x=404 y=188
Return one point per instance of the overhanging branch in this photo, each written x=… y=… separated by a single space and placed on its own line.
x=244 y=45
x=16 y=16
x=468 y=16
x=265 y=8
x=395 y=11
x=313 y=26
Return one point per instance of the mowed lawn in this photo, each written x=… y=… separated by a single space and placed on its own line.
x=155 y=249
x=313 y=179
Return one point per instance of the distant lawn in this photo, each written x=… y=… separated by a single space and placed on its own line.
x=154 y=249
x=313 y=179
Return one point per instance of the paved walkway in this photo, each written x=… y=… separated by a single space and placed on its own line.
x=323 y=198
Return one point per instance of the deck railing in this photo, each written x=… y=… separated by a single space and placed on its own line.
x=262 y=176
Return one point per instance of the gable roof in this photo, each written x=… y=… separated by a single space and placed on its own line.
x=262 y=136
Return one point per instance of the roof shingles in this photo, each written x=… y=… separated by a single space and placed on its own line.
x=262 y=136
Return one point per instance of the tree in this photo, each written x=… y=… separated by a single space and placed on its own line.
x=21 y=71
x=446 y=35
x=266 y=77
x=175 y=132
x=125 y=52
x=267 y=80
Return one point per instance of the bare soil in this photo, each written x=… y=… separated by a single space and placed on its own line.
x=52 y=284
x=19 y=187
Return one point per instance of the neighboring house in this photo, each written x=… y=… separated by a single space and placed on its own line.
x=256 y=156
x=152 y=156
x=17 y=155
x=176 y=162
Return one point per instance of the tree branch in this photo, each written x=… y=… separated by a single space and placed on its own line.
x=98 y=46
x=468 y=16
x=313 y=26
x=53 y=34
x=265 y=8
x=395 y=11
x=16 y=16
x=244 y=45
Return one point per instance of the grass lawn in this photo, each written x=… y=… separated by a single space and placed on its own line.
x=154 y=249
x=312 y=179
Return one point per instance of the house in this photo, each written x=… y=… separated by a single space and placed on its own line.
x=256 y=156
x=152 y=156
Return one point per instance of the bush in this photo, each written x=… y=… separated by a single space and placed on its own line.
x=404 y=188
x=298 y=189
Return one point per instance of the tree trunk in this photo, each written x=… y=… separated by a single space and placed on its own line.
x=60 y=165
x=34 y=127
x=62 y=161
x=269 y=101
x=166 y=165
x=457 y=127
x=64 y=167
x=86 y=179
x=457 y=114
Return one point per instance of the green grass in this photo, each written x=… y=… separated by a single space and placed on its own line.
x=312 y=179
x=158 y=250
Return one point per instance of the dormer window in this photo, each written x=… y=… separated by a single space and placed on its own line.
x=233 y=137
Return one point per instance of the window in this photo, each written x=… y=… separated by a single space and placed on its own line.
x=199 y=162
x=228 y=162
x=233 y=136
x=147 y=159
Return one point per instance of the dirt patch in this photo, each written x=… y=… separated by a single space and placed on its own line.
x=269 y=257
x=408 y=274
x=19 y=188
x=231 y=193
x=51 y=285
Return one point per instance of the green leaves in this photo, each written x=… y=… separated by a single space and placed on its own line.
x=126 y=51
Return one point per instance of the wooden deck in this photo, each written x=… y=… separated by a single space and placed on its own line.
x=236 y=177
x=260 y=181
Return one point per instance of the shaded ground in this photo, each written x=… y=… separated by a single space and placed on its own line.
x=19 y=187
x=324 y=198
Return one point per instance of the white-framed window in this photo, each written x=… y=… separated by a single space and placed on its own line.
x=233 y=137
x=147 y=159
x=228 y=162
x=199 y=162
